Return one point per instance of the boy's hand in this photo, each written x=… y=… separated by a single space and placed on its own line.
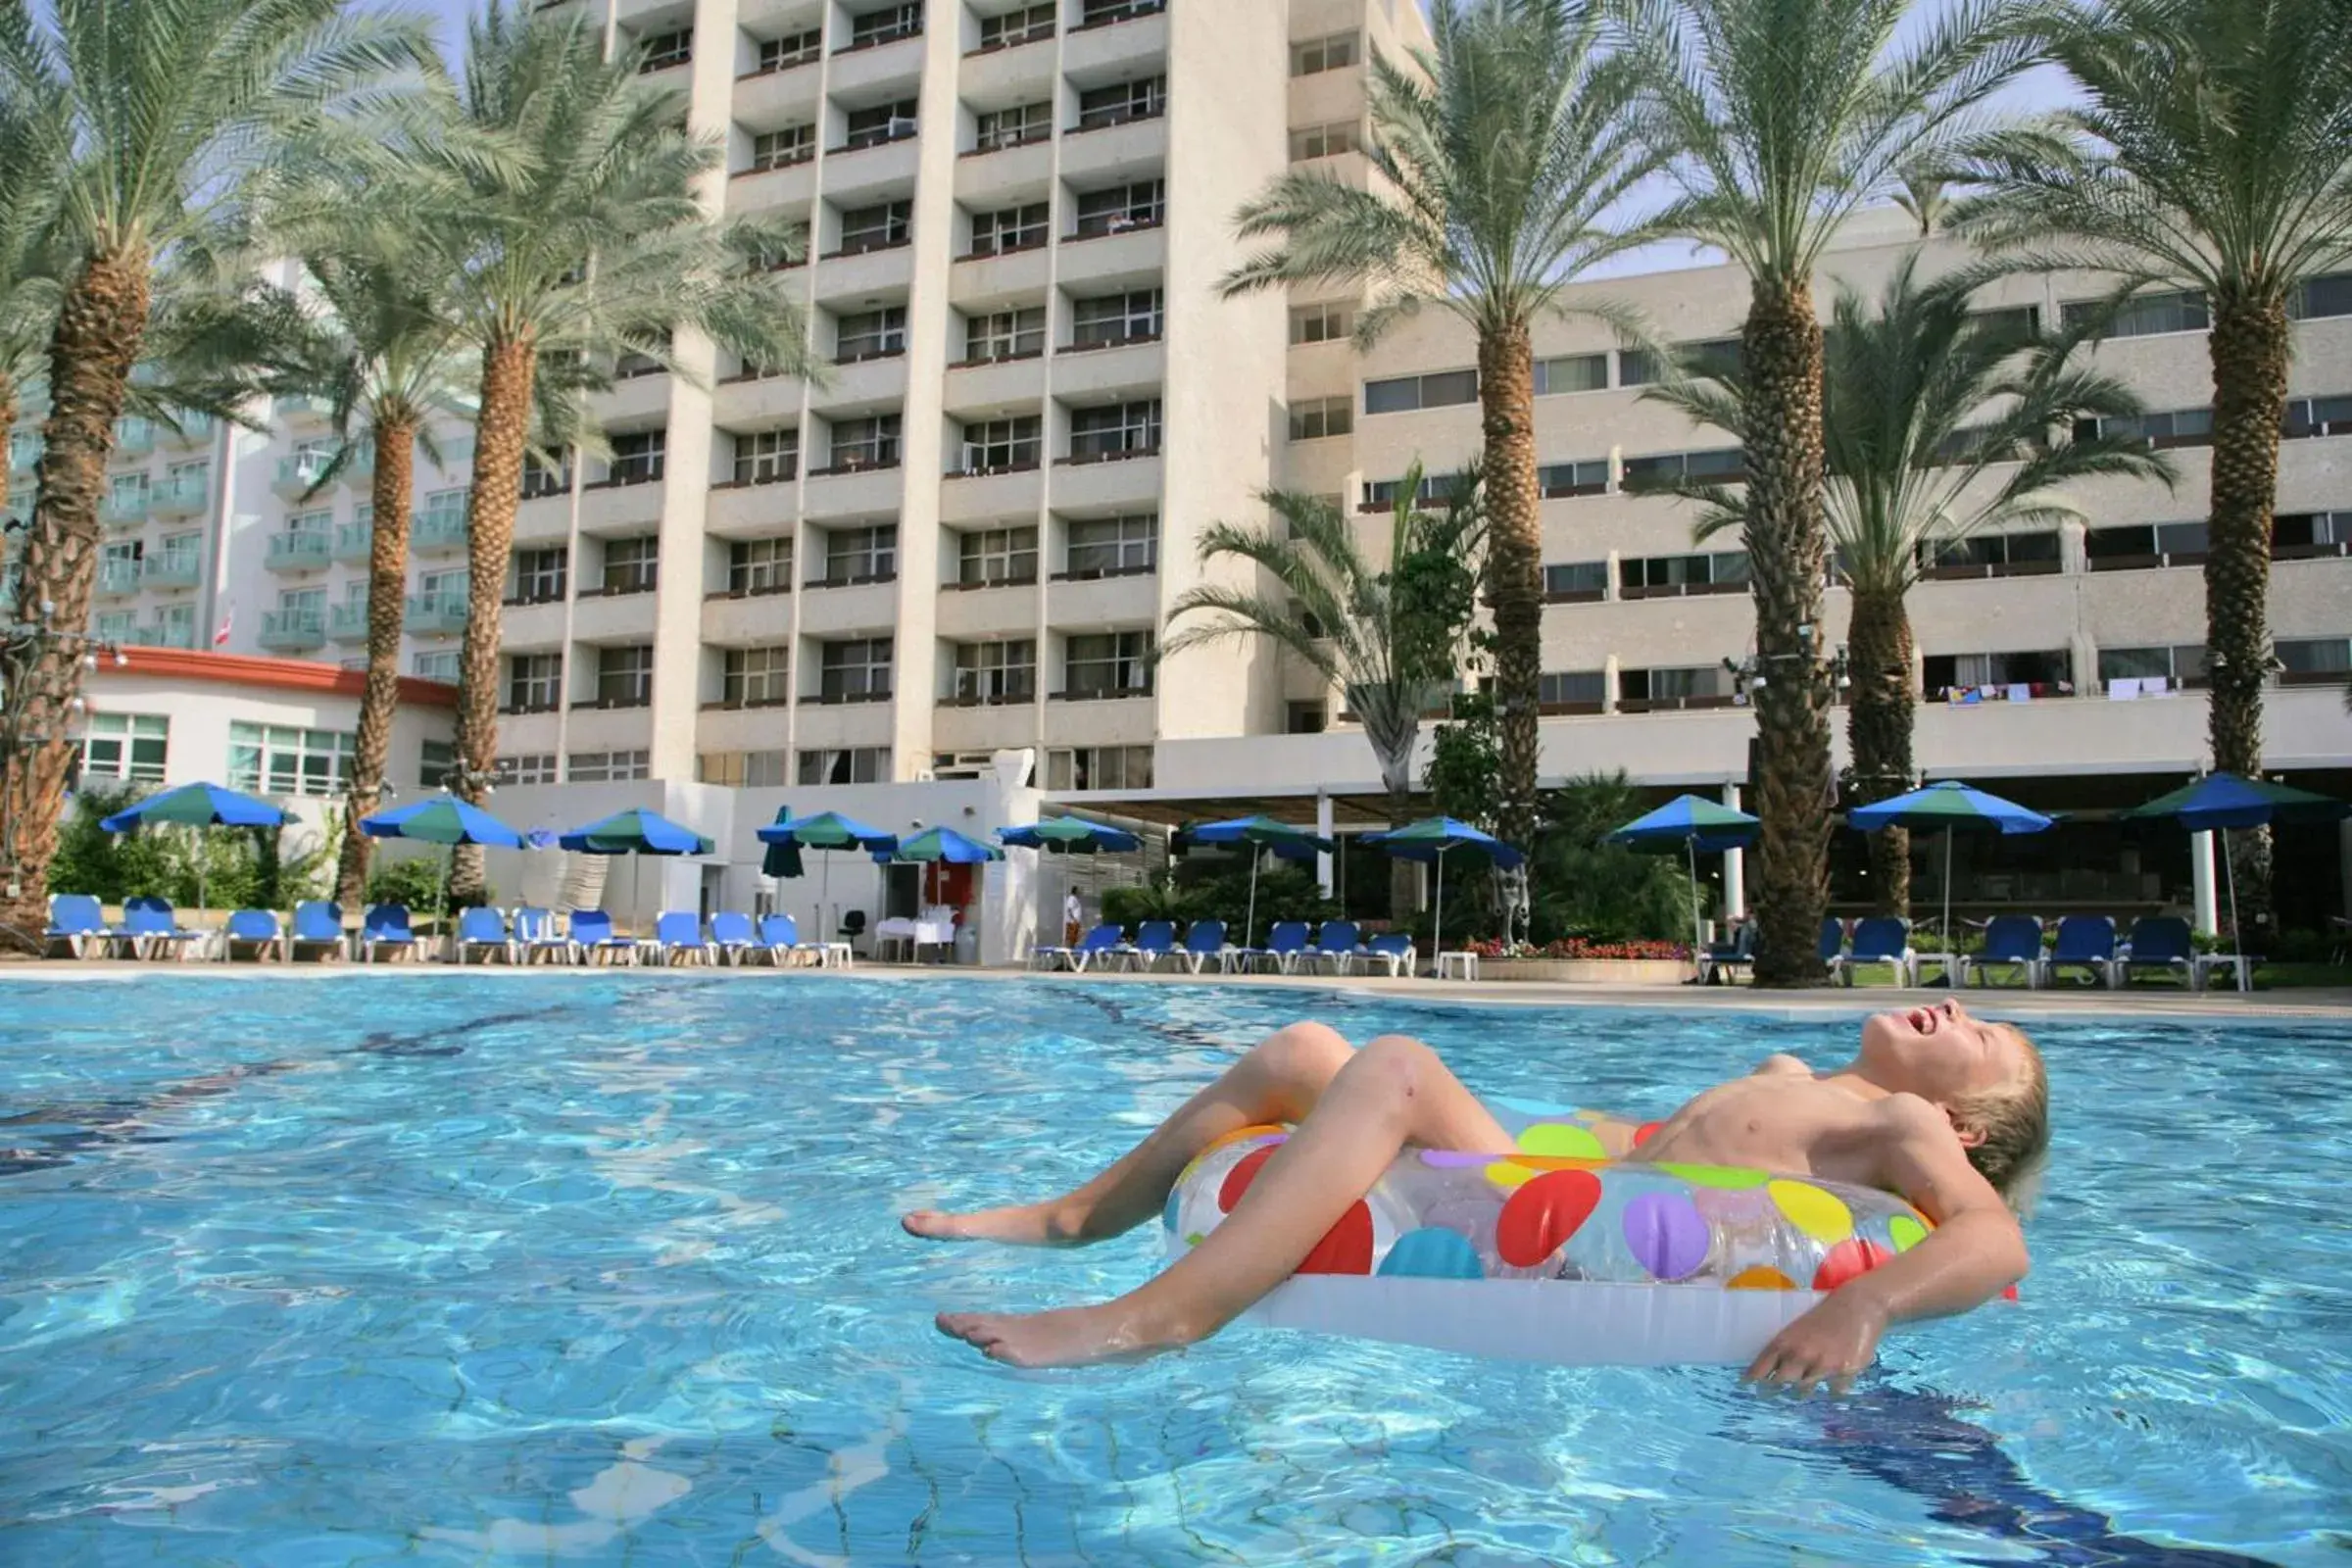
x=1832 y=1343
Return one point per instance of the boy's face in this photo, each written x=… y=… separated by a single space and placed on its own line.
x=1940 y=1053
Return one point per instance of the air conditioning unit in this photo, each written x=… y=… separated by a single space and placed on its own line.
x=965 y=764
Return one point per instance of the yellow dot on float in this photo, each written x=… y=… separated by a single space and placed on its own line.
x=1817 y=1213
x=1508 y=1174
x=1731 y=1178
x=1194 y=1239
x=1560 y=1139
x=1905 y=1231
x=1759 y=1278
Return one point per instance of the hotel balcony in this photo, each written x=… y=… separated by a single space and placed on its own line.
x=117 y=578
x=195 y=431
x=355 y=542
x=175 y=635
x=299 y=474
x=124 y=513
x=347 y=622
x=181 y=497
x=293 y=632
x=308 y=551
x=134 y=436
x=434 y=613
x=437 y=533
x=171 y=568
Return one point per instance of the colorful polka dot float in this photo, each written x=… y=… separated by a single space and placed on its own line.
x=1562 y=1207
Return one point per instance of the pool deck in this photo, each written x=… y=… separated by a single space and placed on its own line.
x=2303 y=1003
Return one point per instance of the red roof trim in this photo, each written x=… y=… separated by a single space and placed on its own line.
x=286 y=674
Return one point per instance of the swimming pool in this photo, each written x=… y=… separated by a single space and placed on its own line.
x=605 y=1269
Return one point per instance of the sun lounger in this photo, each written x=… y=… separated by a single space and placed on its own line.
x=1204 y=944
x=680 y=936
x=1284 y=944
x=482 y=929
x=1335 y=945
x=256 y=932
x=1832 y=943
x=1104 y=940
x=76 y=924
x=779 y=943
x=1725 y=958
x=2084 y=942
x=385 y=927
x=732 y=937
x=2011 y=941
x=1154 y=940
x=149 y=928
x=1880 y=939
x=535 y=934
x=592 y=938
x=317 y=928
x=1392 y=951
x=2162 y=943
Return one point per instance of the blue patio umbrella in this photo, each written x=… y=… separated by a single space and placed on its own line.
x=1432 y=839
x=198 y=804
x=2219 y=802
x=443 y=819
x=827 y=831
x=635 y=832
x=940 y=846
x=1955 y=808
x=1690 y=823
x=1260 y=833
x=1070 y=835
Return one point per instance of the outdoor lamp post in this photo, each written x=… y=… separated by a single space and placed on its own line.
x=27 y=648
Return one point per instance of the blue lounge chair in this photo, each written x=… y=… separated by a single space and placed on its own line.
x=482 y=928
x=1335 y=943
x=1392 y=950
x=681 y=937
x=1880 y=939
x=2084 y=942
x=1154 y=940
x=1832 y=943
x=254 y=930
x=535 y=933
x=317 y=928
x=2162 y=943
x=592 y=938
x=2013 y=941
x=1204 y=944
x=386 y=926
x=149 y=927
x=1284 y=944
x=1099 y=943
x=780 y=941
x=732 y=937
x=77 y=924
x=1726 y=957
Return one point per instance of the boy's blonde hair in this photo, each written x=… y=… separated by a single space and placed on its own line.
x=2015 y=1121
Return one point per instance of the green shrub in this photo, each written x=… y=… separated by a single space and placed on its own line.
x=414 y=881
x=219 y=867
x=1582 y=887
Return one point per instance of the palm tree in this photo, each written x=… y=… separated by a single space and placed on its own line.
x=156 y=113
x=1499 y=160
x=2212 y=152
x=28 y=284
x=1780 y=119
x=1352 y=621
x=1936 y=426
x=580 y=238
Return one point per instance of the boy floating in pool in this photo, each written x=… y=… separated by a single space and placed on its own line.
x=1951 y=1112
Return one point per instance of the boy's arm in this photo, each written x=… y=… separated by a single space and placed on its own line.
x=1975 y=1249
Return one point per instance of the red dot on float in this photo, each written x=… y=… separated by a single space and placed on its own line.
x=1645 y=1131
x=1238 y=1179
x=1849 y=1259
x=1542 y=1213
x=1347 y=1248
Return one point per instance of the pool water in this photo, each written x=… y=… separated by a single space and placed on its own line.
x=605 y=1269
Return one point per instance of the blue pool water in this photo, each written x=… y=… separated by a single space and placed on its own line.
x=605 y=1270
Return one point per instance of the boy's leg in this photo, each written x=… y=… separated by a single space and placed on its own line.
x=1280 y=1079
x=1392 y=1093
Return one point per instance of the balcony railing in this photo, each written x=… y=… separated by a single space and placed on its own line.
x=853 y=464
x=1129 y=11
x=1102 y=694
x=1121 y=340
x=1109 y=454
x=168 y=635
x=300 y=473
x=1124 y=114
x=439 y=530
x=293 y=630
x=195 y=429
x=347 y=622
x=184 y=497
x=307 y=551
x=133 y=436
x=355 y=541
x=118 y=578
x=1120 y=224
x=128 y=509
x=171 y=568
x=435 y=612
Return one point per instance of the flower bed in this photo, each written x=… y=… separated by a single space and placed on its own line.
x=1578 y=961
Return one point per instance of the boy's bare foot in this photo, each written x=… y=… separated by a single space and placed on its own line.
x=1022 y=1225
x=1074 y=1335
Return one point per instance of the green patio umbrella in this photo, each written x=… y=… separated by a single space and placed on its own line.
x=1260 y=833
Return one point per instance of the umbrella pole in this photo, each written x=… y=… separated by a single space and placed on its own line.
x=1950 y=944
x=2229 y=874
x=1249 y=922
x=1698 y=935
x=1436 y=930
x=825 y=896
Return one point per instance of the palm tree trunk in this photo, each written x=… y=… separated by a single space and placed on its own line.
x=387 y=585
x=99 y=326
x=1506 y=391
x=8 y=422
x=1786 y=547
x=2250 y=348
x=499 y=435
x=1878 y=731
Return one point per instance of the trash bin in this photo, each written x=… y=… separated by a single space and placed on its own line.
x=967 y=945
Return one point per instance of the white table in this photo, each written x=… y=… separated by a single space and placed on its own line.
x=932 y=930
x=1465 y=962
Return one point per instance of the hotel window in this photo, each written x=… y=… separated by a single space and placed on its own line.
x=602 y=767
x=767 y=457
x=1668 y=577
x=1016 y=228
x=632 y=565
x=108 y=626
x=1992 y=554
x=1100 y=767
x=755 y=677
x=176 y=626
x=1557 y=480
x=2177 y=428
x=1641 y=691
x=742 y=771
x=1318 y=55
x=2179 y=664
x=1028 y=24
x=434 y=759
x=885 y=26
x=638 y=456
x=869 y=334
x=1122 y=208
x=1121 y=102
x=131 y=747
x=534 y=683
x=2323 y=296
x=1121 y=430
x=1318 y=418
x=540 y=480
x=857 y=671
x=1711 y=356
x=1114 y=664
x=539 y=575
x=624 y=675
x=1101 y=13
x=995 y=557
x=1004 y=336
x=1109 y=319
x=1572 y=691
x=996 y=446
x=999 y=128
x=279 y=760
x=2308 y=417
x=860 y=555
x=528 y=767
x=441 y=667
x=1571 y=372
x=2143 y=315
x=877 y=227
x=1405 y=393
x=1307 y=718
x=2130 y=545
x=759 y=566
x=882 y=123
x=792 y=49
x=1942 y=672
x=2313 y=660
x=2294 y=536
x=989 y=673
x=781 y=149
x=857 y=764
x=1109 y=547
x=1728 y=463
x=2012 y=322
x=1381 y=495
x=443 y=509
x=1576 y=582
x=659 y=51
x=870 y=443
x=1322 y=141
x=1321 y=323
x=306 y=606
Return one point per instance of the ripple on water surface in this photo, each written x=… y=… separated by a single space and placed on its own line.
x=411 y=1268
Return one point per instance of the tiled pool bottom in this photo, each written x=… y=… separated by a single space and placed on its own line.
x=607 y=1271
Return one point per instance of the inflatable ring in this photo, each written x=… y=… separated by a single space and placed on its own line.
x=1557 y=1253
